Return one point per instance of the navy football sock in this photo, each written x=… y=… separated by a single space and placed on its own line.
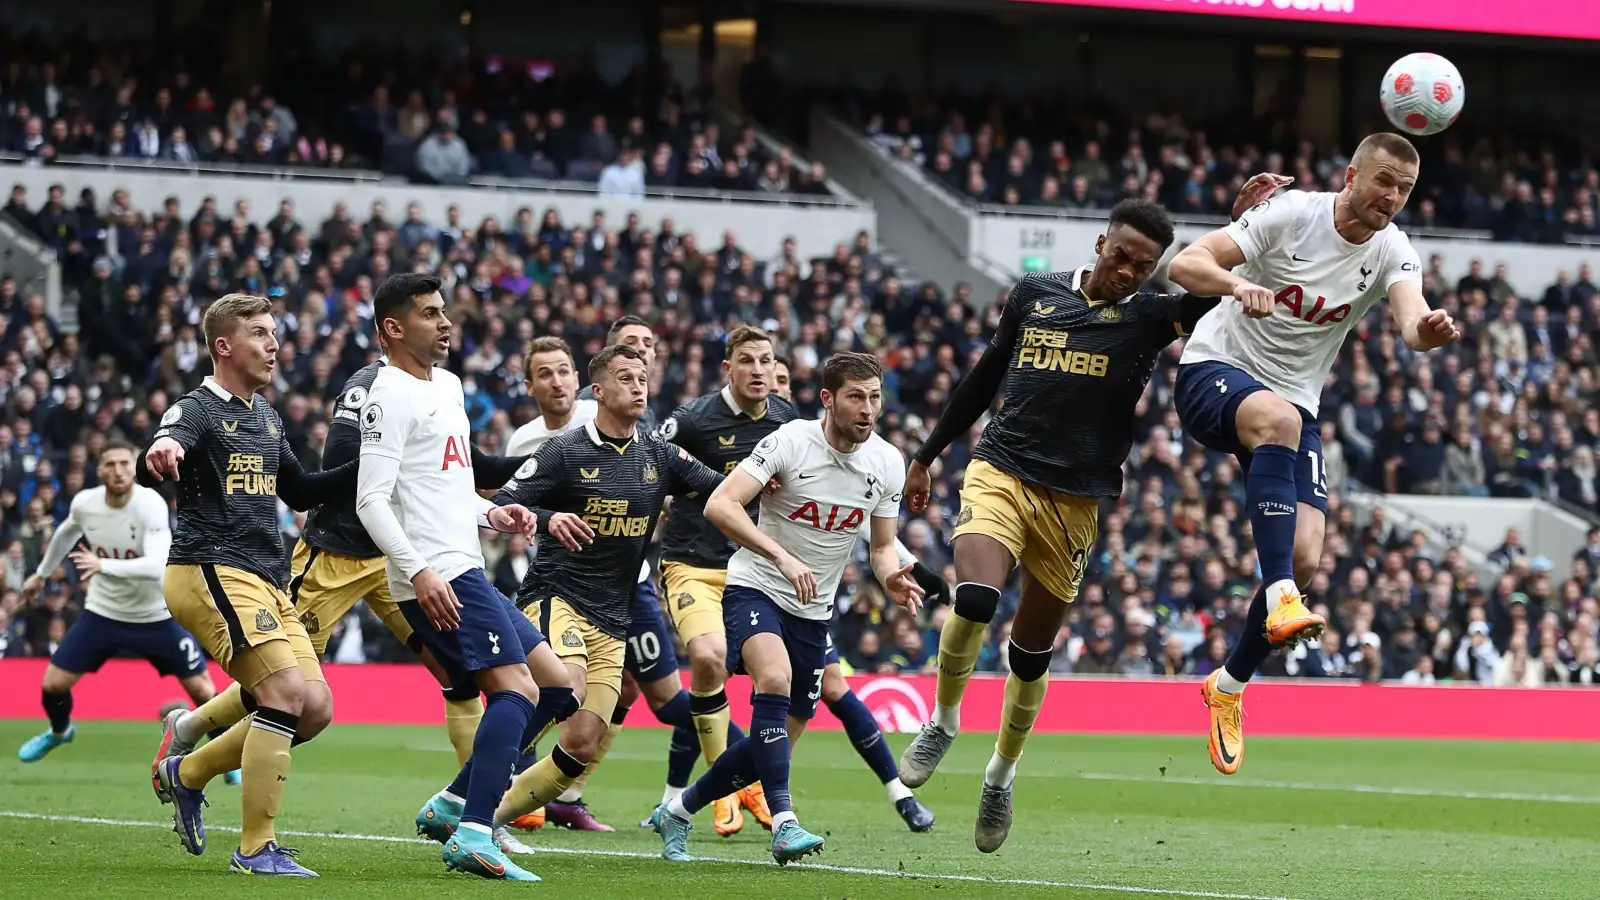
x=494 y=749
x=685 y=746
x=463 y=779
x=58 y=707
x=866 y=735
x=734 y=769
x=769 y=746
x=556 y=704
x=1270 y=495
x=1252 y=649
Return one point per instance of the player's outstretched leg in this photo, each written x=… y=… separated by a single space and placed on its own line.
x=960 y=641
x=1025 y=689
x=568 y=810
x=685 y=748
x=869 y=742
x=56 y=697
x=182 y=729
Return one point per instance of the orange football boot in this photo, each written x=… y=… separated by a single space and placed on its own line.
x=754 y=799
x=726 y=817
x=1292 y=623
x=529 y=821
x=1226 y=740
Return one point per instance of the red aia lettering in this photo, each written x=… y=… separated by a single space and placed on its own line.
x=811 y=514
x=114 y=553
x=1294 y=297
x=457 y=451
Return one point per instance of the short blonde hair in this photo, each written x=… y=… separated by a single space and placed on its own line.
x=223 y=316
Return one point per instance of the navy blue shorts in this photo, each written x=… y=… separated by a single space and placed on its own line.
x=650 y=654
x=493 y=632
x=1208 y=398
x=93 y=639
x=747 y=612
x=832 y=656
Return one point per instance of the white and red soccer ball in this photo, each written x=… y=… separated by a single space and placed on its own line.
x=1422 y=93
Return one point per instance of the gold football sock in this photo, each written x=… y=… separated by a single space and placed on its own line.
x=542 y=783
x=220 y=754
x=1017 y=714
x=266 y=774
x=224 y=710
x=461 y=718
x=960 y=641
x=575 y=793
x=711 y=717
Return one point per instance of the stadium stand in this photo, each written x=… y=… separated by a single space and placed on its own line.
x=1055 y=155
x=443 y=121
x=1510 y=412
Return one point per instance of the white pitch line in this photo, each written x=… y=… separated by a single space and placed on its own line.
x=1345 y=788
x=630 y=854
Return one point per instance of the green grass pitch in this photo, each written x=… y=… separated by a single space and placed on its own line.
x=1096 y=817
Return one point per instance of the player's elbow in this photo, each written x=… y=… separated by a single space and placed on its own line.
x=1190 y=262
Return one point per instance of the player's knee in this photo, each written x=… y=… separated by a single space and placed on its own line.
x=834 y=687
x=629 y=693
x=316 y=710
x=1276 y=421
x=708 y=671
x=57 y=681
x=773 y=683
x=284 y=691
x=976 y=602
x=1028 y=665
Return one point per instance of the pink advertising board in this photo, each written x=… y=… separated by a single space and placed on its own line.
x=1578 y=19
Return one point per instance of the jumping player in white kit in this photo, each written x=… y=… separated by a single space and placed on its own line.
x=124 y=526
x=1306 y=267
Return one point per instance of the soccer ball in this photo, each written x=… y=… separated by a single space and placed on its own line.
x=1422 y=93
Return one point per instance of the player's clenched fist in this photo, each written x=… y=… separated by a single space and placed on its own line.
x=163 y=458
x=1436 y=329
x=573 y=533
x=1257 y=300
x=918 y=484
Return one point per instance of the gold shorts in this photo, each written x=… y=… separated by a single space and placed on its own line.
x=1048 y=532
x=578 y=642
x=244 y=621
x=694 y=599
x=324 y=586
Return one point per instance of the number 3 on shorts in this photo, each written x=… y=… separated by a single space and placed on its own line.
x=816 y=691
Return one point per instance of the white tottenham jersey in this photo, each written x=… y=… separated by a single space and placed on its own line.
x=527 y=440
x=822 y=505
x=132 y=542
x=415 y=491
x=1324 y=285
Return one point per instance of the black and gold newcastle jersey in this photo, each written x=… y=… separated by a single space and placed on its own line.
x=1071 y=372
x=617 y=489
x=715 y=431
x=236 y=466
x=334 y=526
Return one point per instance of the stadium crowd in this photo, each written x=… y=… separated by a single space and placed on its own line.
x=1077 y=158
x=1510 y=411
x=434 y=118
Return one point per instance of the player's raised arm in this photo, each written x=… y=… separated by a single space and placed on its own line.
x=182 y=427
x=1422 y=328
x=151 y=564
x=973 y=396
x=1205 y=266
